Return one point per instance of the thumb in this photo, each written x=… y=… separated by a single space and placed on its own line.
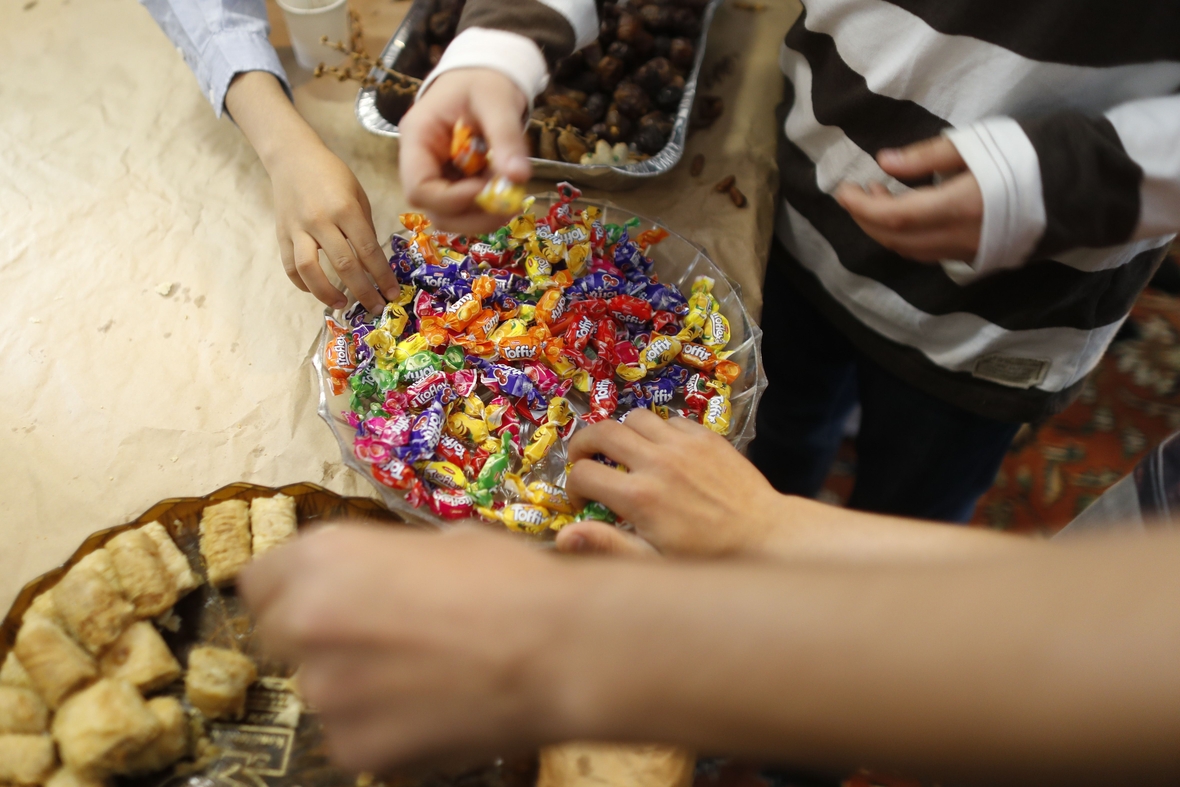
x=500 y=114
x=921 y=159
x=598 y=538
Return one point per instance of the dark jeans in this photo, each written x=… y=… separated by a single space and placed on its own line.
x=917 y=456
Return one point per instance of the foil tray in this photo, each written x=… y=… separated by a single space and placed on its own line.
x=405 y=53
x=677 y=261
x=259 y=750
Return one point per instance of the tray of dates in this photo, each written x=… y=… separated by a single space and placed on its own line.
x=615 y=112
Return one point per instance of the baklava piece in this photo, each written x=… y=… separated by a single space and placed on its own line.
x=183 y=577
x=217 y=680
x=141 y=657
x=98 y=730
x=22 y=711
x=145 y=579
x=225 y=540
x=12 y=673
x=55 y=664
x=91 y=603
x=26 y=759
x=272 y=521
x=170 y=745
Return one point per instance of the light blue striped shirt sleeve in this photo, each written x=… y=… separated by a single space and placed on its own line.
x=219 y=39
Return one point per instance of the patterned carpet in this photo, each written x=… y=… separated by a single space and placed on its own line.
x=1129 y=404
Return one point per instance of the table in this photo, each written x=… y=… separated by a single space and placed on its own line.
x=152 y=345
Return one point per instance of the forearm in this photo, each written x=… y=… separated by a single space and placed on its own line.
x=808 y=530
x=257 y=103
x=1052 y=666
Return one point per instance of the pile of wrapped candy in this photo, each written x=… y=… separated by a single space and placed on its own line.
x=500 y=347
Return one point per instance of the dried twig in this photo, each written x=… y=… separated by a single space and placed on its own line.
x=360 y=64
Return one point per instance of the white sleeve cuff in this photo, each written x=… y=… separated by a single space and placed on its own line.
x=582 y=16
x=513 y=55
x=1005 y=164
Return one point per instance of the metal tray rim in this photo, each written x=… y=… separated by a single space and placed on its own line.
x=595 y=175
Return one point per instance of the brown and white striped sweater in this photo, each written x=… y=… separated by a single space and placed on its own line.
x=1066 y=111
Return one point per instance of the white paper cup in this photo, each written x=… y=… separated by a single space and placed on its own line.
x=307 y=25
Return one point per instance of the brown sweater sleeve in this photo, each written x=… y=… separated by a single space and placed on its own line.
x=546 y=26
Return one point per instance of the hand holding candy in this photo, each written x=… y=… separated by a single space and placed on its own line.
x=482 y=98
x=687 y=490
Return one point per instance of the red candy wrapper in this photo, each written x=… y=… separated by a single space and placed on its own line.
x=577 y=336
x=604 y=398
x=450 y=504
x=396 y=474
x=630 y=310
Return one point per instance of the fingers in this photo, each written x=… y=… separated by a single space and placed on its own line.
x=927 y=224
x=264 y=580
x=599 y=538
x=590 y=480
x=924 y=208
x=363 y=238
x=921 y=159
x=621 y=443
x=649 y=425
x=500 y=118
x=307 y=265
x=352 y=273
x=287 y=254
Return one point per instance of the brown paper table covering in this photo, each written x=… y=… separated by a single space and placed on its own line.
x=152 y=346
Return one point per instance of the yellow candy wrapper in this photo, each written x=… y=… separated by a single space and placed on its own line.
x=501 y=197
x=521 y=517
x=444 y=474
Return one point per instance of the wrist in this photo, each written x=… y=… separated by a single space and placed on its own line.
x=274 y=128
x=583 y=683
x=774 y=517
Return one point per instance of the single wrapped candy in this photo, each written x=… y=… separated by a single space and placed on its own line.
x=492 y=472
x=718 y=412
x=443 y=474
x=559 y=414
x=433 y=386
x=450 y=503
x=521 y=517
x=421 y=248
x=469 y=151
x=395 y=474
x=420 y=364
x=604 y=399
x=500 y=197
x=424 y=435
x=339 y=355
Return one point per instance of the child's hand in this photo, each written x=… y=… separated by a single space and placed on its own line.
x=320 y=205
x=929 y=224
x=487 y=100
x=687 y=491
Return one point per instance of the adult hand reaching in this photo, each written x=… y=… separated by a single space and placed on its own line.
x=927 y=224
x=687 y=491
x=416 y=646
x=488 y=101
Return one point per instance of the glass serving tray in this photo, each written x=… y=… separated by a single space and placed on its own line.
x=677 y=261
